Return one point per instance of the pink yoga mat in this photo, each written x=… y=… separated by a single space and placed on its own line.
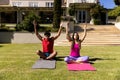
x=80 y=67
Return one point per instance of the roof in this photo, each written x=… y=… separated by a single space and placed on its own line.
x=82 y=5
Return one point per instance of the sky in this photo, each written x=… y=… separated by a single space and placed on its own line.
x=109 y=4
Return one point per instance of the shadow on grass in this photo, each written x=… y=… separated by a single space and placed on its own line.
x=1 y=46
x=6 y=37
x=60 y=58
x=92 y=60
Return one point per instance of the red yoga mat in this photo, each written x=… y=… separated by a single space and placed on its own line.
x=80 y=67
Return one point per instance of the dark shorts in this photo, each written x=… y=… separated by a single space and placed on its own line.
x=47 y=54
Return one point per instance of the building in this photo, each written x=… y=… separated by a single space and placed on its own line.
x=14 y=11
x=82 y=9
x=4 y=2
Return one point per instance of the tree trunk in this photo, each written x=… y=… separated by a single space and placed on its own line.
x=57 y=13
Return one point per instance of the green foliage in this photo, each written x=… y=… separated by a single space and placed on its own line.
x=98 y=13
x=16 y=62
x=19 y=27
x=71 y=11
x=97 y=21
x=57 y=13
x=41 y=29
x=3 y=27
x=117 y=2
x=114 y=13
x=94 y=12
x=26 y=24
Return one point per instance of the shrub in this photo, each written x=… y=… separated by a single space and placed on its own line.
x=98 y=13
x=19 y=27
x=71 y=11
x=26 y=24
x=114 y=13
x=3 y=27
x=97 y=21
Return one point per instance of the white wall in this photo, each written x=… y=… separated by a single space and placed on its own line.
x=34 y=3
x=42 y=3
x=24 y=37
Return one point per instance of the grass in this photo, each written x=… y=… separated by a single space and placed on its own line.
x=16 y=61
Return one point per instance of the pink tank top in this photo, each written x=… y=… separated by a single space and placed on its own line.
x=75 y=51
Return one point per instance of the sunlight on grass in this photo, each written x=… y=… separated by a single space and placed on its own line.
x=16 y=62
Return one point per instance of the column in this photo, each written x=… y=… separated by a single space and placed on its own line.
x=18 y=16
x=0 y=19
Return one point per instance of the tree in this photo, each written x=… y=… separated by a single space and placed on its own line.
x=26 y=24
x=71 y=10
x=57 y=13
x=117 y=2
x=114 y=13
x=98 y=13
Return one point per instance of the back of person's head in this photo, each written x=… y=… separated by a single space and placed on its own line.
x=47 y=33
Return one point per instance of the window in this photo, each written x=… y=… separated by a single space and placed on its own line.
x=16 y=3
x=49 y=4
x=33 y=4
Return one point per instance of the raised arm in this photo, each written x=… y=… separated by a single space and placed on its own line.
x=67 y=33
x=85 y=32
x=59 y=32
x=36 y=32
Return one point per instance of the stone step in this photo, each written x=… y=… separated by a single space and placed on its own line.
x=90 y=43
x=97 y=35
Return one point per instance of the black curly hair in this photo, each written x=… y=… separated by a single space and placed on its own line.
x=47 y=33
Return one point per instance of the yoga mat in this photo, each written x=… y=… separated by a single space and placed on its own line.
x=45 y=64
x=80 y=67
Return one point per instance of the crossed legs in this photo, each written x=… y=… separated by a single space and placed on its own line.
x=70 y=59
x=42 y=55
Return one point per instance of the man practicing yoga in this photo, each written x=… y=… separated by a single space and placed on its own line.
x=75 y=47
x=47 y=43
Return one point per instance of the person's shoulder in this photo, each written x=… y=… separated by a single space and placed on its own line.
x=52 y=37
x=80 y=41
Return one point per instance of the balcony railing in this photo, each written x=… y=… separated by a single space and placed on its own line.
x=85 y=1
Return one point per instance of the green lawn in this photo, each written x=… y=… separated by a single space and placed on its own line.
x=16 y=61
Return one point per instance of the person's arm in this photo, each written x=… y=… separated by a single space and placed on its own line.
x=85 y=32
x=36 y=32
x=59 y=32
x=67 y=33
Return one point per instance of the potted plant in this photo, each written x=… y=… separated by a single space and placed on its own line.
x=117 y=23
x=70 y=20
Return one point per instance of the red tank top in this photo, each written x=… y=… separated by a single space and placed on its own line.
x=48 y=45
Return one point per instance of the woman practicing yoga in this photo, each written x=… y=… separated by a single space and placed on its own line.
x=76 y=41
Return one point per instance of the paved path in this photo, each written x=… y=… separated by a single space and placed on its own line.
x=96 y=35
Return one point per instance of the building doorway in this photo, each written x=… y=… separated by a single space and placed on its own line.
x=81 y=16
